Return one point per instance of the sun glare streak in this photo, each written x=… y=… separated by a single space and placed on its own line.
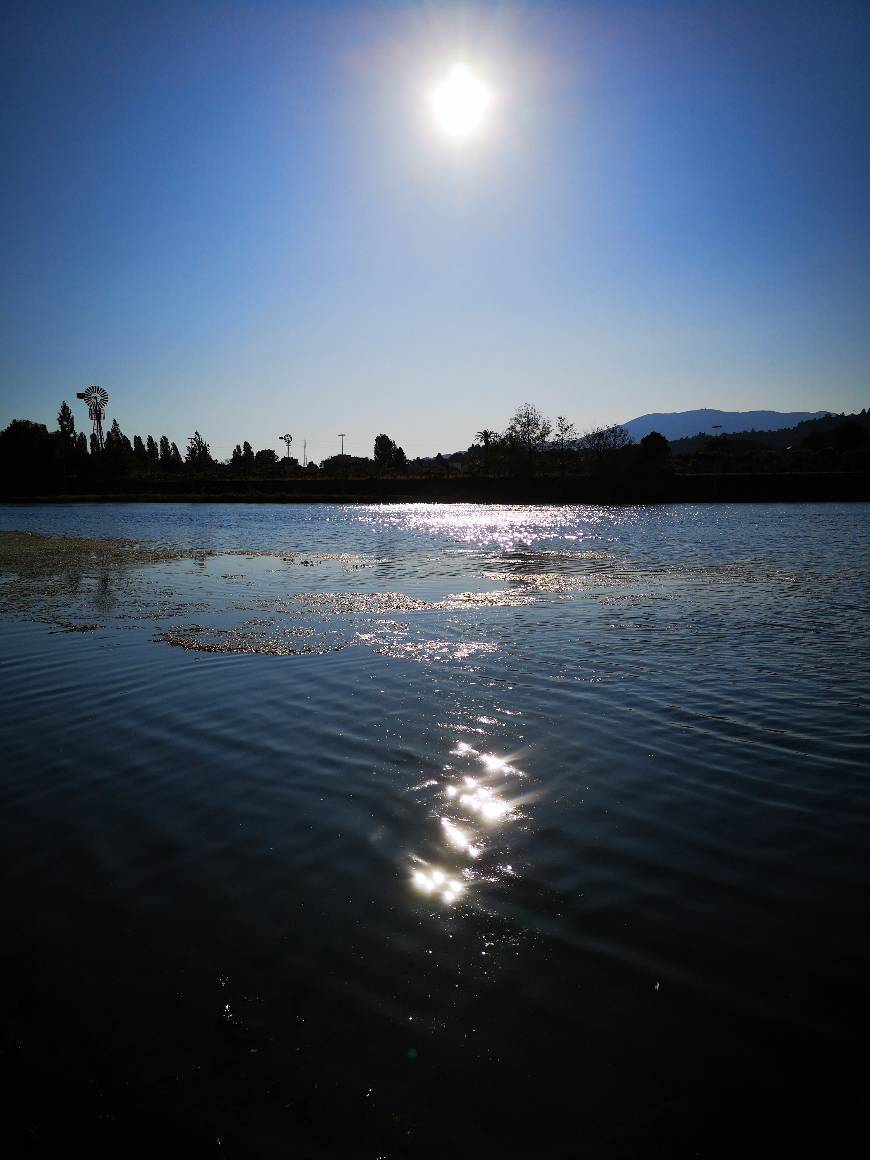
x=461 y=103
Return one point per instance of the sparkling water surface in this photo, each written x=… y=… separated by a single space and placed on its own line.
x=425 y=830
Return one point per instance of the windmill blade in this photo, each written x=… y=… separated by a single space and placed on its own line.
x=98 y=394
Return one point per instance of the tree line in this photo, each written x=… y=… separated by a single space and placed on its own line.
x=35 y=460
x=30 y=453
x=532 y=443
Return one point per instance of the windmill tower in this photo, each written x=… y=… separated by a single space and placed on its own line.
x=287 y=439
x=96 y=399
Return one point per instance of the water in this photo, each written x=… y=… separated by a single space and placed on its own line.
x=439 y=830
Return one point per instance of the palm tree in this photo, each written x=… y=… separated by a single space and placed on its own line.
x=485 y=436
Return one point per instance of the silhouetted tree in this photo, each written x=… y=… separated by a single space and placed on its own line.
x=563 y=447
x=530 y=430
x=198 y=454
x=152 y=451
x=603 y=440
x=488 y=440
x=385 y=449
x=117 y=440
x=565 y=435
x=850 y=435
x=400 y=460
x=339 y=465
x=66 y=423
x=267 y=457
x=655 y=447
x=66 y=441
x=118 y=454
x=247 y=456
x=139 y=452
x=175 y=459
x=26 y=460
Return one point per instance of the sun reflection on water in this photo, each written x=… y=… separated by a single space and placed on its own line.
x=479 y=799
x=446 y=886
x=506 y=526
x=460 y=839
x=490 y=761
x=472 y=812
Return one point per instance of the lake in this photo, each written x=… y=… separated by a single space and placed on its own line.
x=426 y=830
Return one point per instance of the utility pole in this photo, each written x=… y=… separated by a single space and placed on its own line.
x=304 y=452
x=343 y=464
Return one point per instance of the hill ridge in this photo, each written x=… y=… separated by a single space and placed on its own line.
x=684 y=424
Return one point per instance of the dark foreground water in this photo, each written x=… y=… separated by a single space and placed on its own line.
x=441 y=831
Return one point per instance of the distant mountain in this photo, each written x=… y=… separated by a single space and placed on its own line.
x=821 y=431
x=681 y=424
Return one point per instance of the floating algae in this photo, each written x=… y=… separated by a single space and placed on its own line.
x=80 y=585
x=560 y=582
x=55 y=579
x=34 y=554
x=348 y=560
x=198 y=638
x=361 y=602
x=500 y=598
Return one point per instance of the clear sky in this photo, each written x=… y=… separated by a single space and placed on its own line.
x=240 y=217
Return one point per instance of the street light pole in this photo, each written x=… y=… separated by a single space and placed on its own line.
x=341 y=437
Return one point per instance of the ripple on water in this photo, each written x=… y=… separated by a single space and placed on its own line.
x=611 y=819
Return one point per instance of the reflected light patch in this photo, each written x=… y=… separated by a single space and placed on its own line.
x=508 y=528
x=492 y=763
x=458 y=838
x=479 y=799
x=437 y=882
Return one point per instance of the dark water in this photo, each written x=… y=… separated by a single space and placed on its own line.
x=552 y=844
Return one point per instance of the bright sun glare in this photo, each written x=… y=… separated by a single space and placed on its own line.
x=460 y=104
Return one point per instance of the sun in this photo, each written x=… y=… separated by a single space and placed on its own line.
x=460 y=105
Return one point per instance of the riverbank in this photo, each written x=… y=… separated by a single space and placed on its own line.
x=809 y=487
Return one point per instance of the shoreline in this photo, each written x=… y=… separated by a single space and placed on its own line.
x=835 y=487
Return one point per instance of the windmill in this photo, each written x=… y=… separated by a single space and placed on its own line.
x=96 y=399
x=288 y=439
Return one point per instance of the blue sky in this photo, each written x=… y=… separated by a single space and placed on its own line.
x=237 y=217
